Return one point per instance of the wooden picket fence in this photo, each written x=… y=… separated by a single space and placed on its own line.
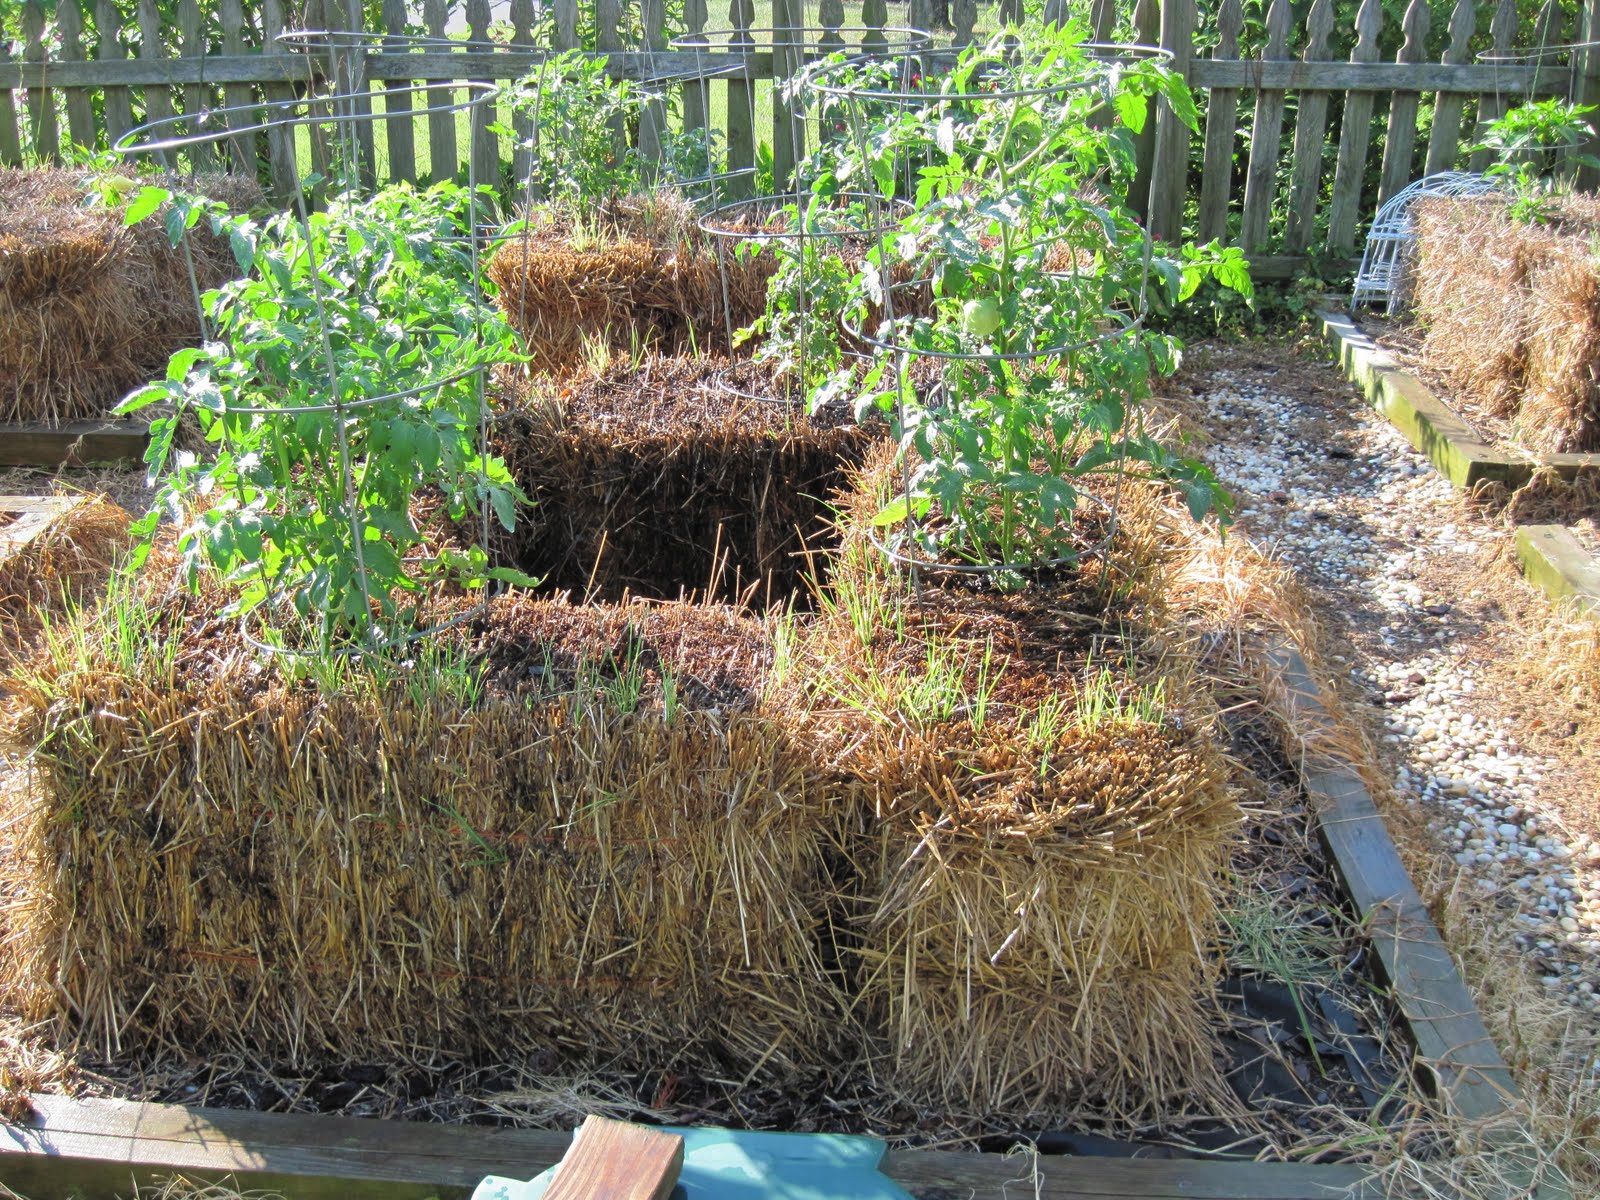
x=92 y=75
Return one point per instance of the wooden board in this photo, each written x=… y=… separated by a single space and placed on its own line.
x=617 y=1160
x=30 y=516
x=1552 y=559
x=72 y=444
x=95 y=1149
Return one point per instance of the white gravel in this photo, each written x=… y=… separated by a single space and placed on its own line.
x=1338 y=493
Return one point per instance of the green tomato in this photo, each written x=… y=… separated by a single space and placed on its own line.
x=980 y=318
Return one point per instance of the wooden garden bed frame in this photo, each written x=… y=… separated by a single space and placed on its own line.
x=97 y=1149
x=1550 y=556
x=72 y=444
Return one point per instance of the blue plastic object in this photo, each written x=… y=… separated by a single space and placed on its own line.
x=726 y=1164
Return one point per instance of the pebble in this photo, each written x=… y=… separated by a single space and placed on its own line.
x=1383 y=513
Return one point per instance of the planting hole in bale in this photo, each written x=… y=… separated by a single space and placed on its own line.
x=657 y=478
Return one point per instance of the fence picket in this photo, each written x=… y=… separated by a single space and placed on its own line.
x=1261 y=176
x=399 y=125
x=117 y=102
x=1444 y=139
x=1401 y=142
x=1310 y=130
x=443 y=155
x=697 y=92
x=963 y=16
x=1222 y=120
x=280 y=142
x=152 y=37
x=242 y=147
x=1170 y=168
x=485 y=142
x=1355 y=135
x=197 y=97
x=788 y=133
x=875 y=17
x=10 y=143
x=830 y=14
x=1103 y=20
x=1147 y=32
x=741 y=103
x=653 y=41
x=1492 y=104
x=41 y=103
x=349 y=16
x=1588 y=89
x=566 y=13
x=80 y=109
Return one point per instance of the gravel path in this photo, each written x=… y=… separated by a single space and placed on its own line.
x=1418 y=584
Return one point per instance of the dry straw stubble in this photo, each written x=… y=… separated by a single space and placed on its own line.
x=91 y=309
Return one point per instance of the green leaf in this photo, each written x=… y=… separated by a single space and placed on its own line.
x=144 y=204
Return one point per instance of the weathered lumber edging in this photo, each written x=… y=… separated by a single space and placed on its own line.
x=72 y=444
x=32 y=515
x=1551 y=557
x=1447 y=441
x=97 y=1149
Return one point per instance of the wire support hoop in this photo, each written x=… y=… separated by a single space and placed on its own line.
x=816 y=40
x=156 y=136
x=819 y=77
x=380 y=646
x=717 y=221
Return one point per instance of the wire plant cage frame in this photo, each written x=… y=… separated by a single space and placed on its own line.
x=1384 y=275
x=269 y=625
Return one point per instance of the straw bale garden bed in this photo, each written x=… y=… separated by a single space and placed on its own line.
x=596 y=727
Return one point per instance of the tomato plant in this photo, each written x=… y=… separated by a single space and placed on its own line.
x=341 y=377
x=1020 y=274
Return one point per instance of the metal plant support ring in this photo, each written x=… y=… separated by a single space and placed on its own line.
x=837 y=81
x=166 y=137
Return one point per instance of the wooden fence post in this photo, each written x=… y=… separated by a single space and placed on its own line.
x=697 y=92
x=1169 y=170
x=443 y=155
x=1310 y=129
x=787 y=133
x=1222 y=120
x=80 y=111
x=1399 y=145
x=1147 y=32
x=1492 y=105
x=741 y=103
x=152 y=48
x=41 y=103
x=485 y=142
x=233 y=94
x=400 y=126
x=197 y=97
x=653 y=41
x=281 y=148
x=10 y=143
x=1444 y=139
x=1354 y=137
x=117 y=103
x=1261 y=176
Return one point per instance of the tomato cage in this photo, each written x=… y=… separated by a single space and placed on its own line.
x=324 y=451
x=1005 y=295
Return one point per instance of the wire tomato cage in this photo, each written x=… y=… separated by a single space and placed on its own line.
x=266 y=624
x=906 y=118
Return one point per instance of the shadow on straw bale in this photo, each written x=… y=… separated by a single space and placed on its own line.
x=1512 y=311
x=656 y=478
x=91 y=309
x=582 y=839
x=641 y=275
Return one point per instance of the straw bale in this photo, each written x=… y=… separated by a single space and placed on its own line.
x=644 y=276
x=659 y=479
x=91 y=309
x=74 y=553
x=1035 y=909
x=1512 y=311
x=226 y=860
